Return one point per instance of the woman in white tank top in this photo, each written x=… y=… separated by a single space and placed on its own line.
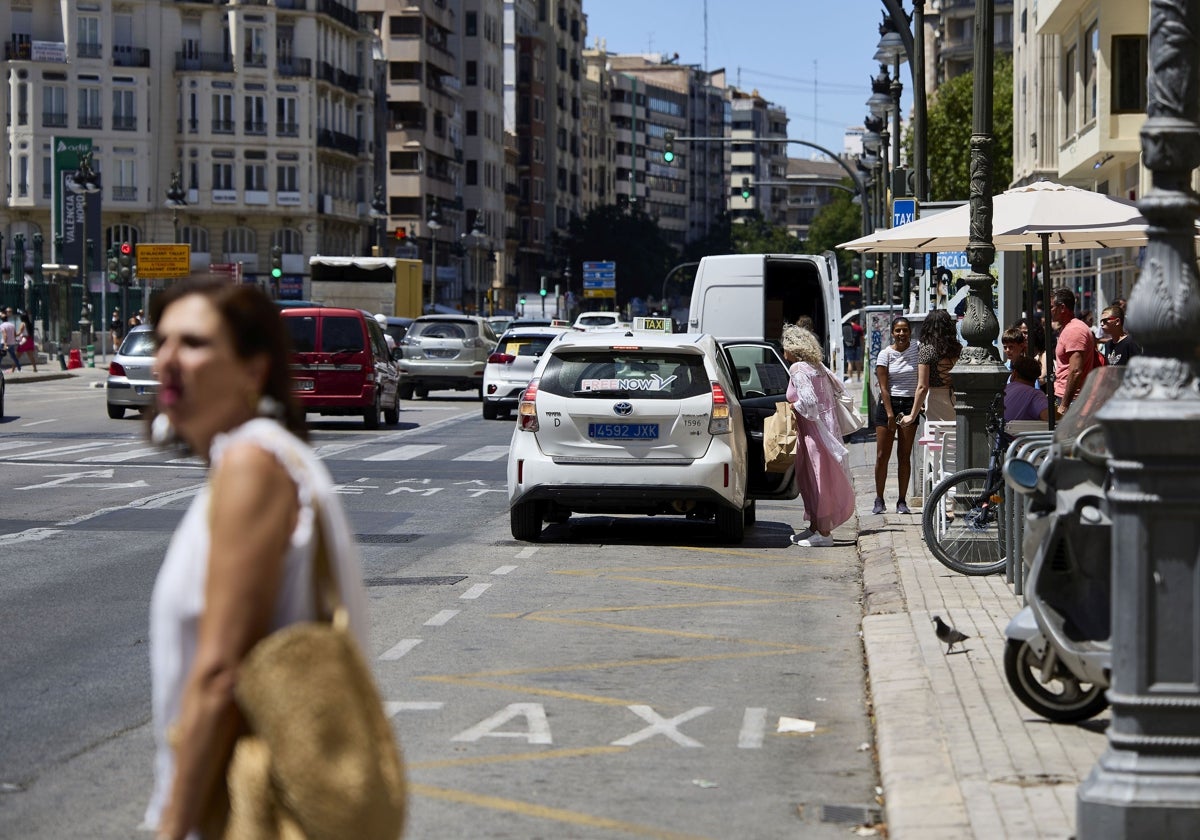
x=239 y=564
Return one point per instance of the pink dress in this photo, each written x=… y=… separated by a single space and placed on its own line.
x=822 y=465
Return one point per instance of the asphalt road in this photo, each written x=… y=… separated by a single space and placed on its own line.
x=624 y=677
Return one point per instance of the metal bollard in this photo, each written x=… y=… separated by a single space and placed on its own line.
x=91 y=355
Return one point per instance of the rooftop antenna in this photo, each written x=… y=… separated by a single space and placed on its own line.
x=706 y=35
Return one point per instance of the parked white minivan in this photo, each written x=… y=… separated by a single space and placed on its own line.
x=752 y=296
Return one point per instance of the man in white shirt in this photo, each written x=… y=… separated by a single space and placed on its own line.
x=8 y=336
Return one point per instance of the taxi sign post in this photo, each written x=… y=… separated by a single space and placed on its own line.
x=643 y=324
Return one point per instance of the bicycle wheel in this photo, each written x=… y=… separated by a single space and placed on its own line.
x=963 y=523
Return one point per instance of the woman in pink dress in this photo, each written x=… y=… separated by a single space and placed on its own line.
x=822 y=463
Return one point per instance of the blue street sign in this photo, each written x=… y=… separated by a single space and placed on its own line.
x=602 y=265
x=904 y=210
x=599 y=275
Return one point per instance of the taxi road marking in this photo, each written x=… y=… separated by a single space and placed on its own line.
x=441 y=618
x=527 y=551
x=399 y=649
x=391 y=708
x=568 y=752
x=754 y=725
x=475 y=591
x=503 y=570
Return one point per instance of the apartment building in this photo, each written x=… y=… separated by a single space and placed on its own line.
x=952 y=26
x=597 y=135
x=263 y=109
x=810 y=186
x=1079 y=102
x=762 y=163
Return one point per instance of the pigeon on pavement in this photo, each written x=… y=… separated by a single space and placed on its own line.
x=948 y=634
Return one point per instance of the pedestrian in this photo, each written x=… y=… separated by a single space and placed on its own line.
x=896 y=371
x=937 y=354
x=852 y=340
x=1022 y=401
x=25 y=343
x=1015 y=345
x=239 y=565
x=1034 y=331
x=8 y=337
x=1074 y=351
x=822 y=460
x=1120 y=346
x=114 y=327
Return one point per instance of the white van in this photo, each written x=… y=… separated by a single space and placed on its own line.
x=754 y=295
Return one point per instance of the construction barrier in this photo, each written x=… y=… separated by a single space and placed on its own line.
x=74 y=360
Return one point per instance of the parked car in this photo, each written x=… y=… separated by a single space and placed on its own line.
x=341 y=364
x=500 y=323
x=394 y=326
x=510 y=367
x=132 y=382
x=444 y=352
x=650 y=423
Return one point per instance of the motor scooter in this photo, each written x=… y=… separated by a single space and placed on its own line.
x=1058 y=657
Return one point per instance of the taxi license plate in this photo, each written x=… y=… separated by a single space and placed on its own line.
x=623 y=431
x=303 y=385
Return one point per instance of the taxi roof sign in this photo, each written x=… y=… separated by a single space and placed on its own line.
x=654 y=324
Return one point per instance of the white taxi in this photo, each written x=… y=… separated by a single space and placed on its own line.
x=510 y=367
x=650 y=423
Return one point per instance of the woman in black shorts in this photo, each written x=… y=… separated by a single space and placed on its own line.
x=896 y=370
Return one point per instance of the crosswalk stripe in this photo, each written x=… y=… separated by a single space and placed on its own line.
x=484 y=453
x=131 y=455
x=404 y=453
x=61 y=450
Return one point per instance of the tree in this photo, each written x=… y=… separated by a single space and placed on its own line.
x=838 y=221
x=949 y=134
x=632 y=239
x=755 y=235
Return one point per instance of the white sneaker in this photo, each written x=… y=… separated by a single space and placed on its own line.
x=815 y=541
x=803 y=535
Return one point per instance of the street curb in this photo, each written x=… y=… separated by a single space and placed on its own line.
x=19 y=379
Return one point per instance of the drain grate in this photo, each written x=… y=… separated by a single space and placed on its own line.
x=385 y=539
x=851 y=814
x=432 y=580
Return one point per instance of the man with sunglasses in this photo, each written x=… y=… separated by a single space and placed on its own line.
x=1074 y=349
x=1120 y=345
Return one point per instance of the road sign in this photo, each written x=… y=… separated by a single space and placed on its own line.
x=904 y=210
x=162 y=262
x=599 y=279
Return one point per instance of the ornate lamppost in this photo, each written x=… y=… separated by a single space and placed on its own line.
x=85 y=183
x=176 y=198
x=1147 y=781
x=379 y=214
x=434 y=225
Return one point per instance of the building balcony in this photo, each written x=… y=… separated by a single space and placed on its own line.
x=293 y=5
x=254 y=60
x=208 y=62
x=124 y=193
x=89 y=50
x=20 y=48
x=287 y=130
x=91 y=121
x=297 y=67
x=256 y=128
x=131 y=57
x=342 y=14
x=124 y=122
x=223 y=126
x=54 y=120
x=328 y=139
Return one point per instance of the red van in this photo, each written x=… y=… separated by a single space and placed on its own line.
x=341 y=365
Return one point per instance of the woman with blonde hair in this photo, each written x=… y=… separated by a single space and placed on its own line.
x=822 y=464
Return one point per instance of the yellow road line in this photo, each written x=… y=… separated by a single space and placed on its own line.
x=718 y=587
x=544 y=812
x=652 y=631
x=686 y=605
x=545 y=755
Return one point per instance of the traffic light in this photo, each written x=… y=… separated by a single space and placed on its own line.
x=522 y=300
x=669 y=147
x=869 y=274
x=856 y=270
x=112 y=266
x=276 y=262
x=542 y=290
x=125 y=264
x=401 y=234
x=745 y=189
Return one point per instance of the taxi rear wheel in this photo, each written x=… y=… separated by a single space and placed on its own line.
x=731 y=522
x=525 y=520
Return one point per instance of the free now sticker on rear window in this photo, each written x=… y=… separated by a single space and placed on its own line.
x=653 y=383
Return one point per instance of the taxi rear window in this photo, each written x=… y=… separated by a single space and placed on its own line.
x=605 y=373
x=524 y=345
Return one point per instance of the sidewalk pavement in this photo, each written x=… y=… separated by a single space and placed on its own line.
x=959 y=755
x=51 y=370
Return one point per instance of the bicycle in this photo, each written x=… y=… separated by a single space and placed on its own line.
x=963 y=519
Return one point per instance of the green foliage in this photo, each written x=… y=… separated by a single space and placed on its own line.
x=950 y=118
x=838 y=221
x=632 y=239
x=755 y=235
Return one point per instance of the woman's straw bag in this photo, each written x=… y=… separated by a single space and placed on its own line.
x=780 y=438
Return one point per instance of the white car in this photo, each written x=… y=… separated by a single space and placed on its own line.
x=597 y=320
x=646 y=423
x=510 y=367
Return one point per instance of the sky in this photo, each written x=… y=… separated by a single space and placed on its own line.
x=813 y=57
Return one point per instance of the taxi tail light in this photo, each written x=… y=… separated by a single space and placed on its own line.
x=501 y=359
x=115 y=369
x=718 y=422
x=527 y=408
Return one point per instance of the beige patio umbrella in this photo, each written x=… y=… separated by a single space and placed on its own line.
x=1042 y=213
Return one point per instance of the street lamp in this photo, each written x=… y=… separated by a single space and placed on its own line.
x=476 y=234
x=379 y=214
x=176 y=198
x=434 y=225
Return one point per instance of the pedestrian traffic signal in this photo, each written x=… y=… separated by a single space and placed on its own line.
x=276 y=262
x=745 y=189
x=856 y=270
x=125 y=264
x=869 y=274
x=669 y=147
x=542 y=290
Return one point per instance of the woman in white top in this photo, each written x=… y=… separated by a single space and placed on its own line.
x=239 y=564
x=896 y=370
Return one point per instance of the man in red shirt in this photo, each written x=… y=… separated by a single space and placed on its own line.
x=1074 y=350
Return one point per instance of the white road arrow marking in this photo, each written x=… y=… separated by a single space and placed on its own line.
x=73 y=479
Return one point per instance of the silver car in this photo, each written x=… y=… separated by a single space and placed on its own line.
x=132 y=380
x=444 y=352
x=510 y=367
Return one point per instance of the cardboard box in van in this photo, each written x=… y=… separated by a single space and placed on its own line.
x=754 y=295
